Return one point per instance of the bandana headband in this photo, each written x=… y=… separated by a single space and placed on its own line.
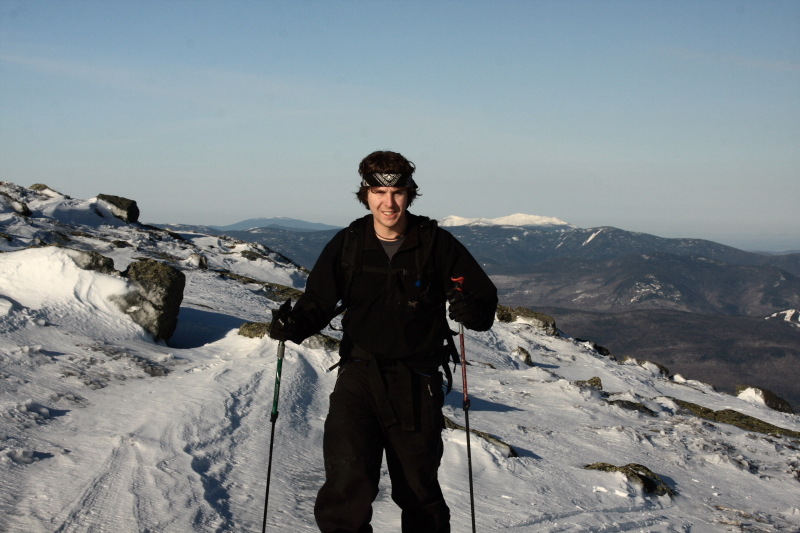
x=387 y=180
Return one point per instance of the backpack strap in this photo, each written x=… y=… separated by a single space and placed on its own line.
x=352 y=250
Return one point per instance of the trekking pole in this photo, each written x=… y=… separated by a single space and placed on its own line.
x=460 y=288
x=274 y=416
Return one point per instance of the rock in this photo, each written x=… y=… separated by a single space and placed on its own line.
x=324 y=342
x=280 y=293
x=599 y=349
x=525 y=354
x=735 y=418
x=655 y=368
x=522 y=314
x=156 y=302
x=650 y=481
x=92 y=261
x=509 y=451
x=19 y=207
x=41 y=187
x=257 y=330
x=254 y=330
x=633 y=406
x=751 y=423
x=198 y=261
x=122 y=208
x=770 y=399
x=121 y=244
x=594 y=382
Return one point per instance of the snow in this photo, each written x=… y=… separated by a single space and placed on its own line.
x=518 y=219
x=595 y=234
x=90 y=442
x=751 y=394
x=790 y=315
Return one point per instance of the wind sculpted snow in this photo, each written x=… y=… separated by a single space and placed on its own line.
x=90 y=441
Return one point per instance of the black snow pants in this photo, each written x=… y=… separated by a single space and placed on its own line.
x=356 y=438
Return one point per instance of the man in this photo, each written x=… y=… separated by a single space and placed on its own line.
x=393 y=273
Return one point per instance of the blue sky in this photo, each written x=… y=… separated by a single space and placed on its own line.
x=680 y=119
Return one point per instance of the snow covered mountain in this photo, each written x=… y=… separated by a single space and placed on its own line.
x=518 y=219
x=103 y=429
x=276 y=222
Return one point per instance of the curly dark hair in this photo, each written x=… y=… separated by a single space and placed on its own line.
x=388 y=163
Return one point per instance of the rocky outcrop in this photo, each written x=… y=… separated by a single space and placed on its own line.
x=522 y=314
x=122 y=208
x=156 y=302
x=770 y=399
x=735 y=418
x=641 y=475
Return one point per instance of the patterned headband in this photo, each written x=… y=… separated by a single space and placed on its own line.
x=387 y=180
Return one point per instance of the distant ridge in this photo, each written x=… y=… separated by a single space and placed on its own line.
x=291 y=224
x=517 y=219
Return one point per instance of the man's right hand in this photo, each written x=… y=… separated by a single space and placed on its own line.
x=283 y=326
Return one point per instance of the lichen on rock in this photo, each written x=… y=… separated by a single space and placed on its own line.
x=594 y=382
x=735 y=418
x=156 y=302
x=254 y=330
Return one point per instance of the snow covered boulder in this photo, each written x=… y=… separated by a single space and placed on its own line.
x=92 y=261
x=157 y=301
x=122 y=208
x=197 y=260
x=47 y=190
x=521 y=314
x=17 y=206
x=650 y=481
x=767 y=397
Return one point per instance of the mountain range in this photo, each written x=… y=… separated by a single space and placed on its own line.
x=599 y=281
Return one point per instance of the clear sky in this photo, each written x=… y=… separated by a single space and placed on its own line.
x=680 y=119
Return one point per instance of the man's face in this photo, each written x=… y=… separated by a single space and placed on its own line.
x=388 y=207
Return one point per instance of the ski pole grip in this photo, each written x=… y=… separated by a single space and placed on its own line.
x=459 y=283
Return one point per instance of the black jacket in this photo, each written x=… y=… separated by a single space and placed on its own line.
x=388 y=312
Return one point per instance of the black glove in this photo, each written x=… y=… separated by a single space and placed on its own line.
x=463 y=307
x=283 y=326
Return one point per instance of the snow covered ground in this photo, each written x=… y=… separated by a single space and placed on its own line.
x=90 y=441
